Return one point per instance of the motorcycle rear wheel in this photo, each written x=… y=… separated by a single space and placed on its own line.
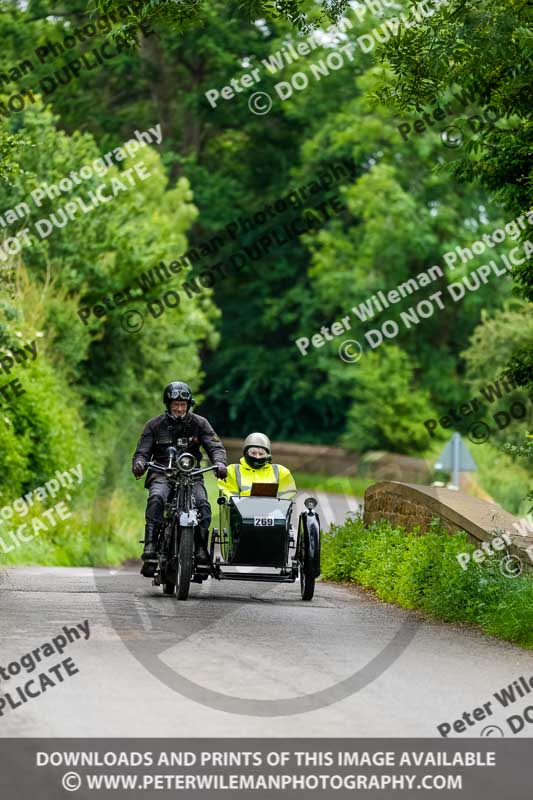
x=185 y=563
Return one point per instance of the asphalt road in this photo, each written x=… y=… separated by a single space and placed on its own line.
x=243 y=659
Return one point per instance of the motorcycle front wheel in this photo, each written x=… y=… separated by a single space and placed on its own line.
x=185 y=563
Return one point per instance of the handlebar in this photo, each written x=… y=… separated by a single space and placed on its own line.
x=169 y=471
x=204 y=469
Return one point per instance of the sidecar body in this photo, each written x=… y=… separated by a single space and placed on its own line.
x=255 y=534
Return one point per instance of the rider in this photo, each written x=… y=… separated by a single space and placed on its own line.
x=180 y=428
x=256 y=467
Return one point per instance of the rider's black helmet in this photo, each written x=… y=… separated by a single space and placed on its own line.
x=177 y=390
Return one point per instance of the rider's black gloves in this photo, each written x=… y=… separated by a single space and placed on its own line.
x=222 y=471
x=139 y=466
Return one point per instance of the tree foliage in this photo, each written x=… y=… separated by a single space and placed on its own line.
x=400 y=206
x=189 y=13
x=485 y=48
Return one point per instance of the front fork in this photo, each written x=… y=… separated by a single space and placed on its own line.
x=168 y=542
x=169 y=539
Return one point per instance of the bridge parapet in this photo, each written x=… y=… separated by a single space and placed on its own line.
x=410 y=505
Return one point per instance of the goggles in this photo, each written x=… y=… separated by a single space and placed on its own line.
x=179 y=394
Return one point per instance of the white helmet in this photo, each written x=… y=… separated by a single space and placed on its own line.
x=257 y=440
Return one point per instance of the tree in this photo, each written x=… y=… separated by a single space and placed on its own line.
x=181 y=16
x=91 y=373
x=388 y=406
x=484 y=48
x=397 y=211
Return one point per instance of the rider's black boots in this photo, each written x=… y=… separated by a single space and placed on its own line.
x=150 y=540
x=201 y=540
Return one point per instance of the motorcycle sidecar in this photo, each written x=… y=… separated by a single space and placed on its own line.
x=256 y=532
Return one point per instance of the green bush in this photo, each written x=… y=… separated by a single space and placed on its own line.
x=386 y=384
x=422 y=572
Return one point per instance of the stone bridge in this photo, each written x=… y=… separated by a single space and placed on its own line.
x=410 y=505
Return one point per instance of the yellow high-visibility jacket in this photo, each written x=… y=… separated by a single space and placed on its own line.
x=241 y=476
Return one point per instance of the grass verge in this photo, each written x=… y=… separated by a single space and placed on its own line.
x=339 y=485
x=422 y=572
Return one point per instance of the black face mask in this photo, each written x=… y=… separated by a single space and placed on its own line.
x=256 y=463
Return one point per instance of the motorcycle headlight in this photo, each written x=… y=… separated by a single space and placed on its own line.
x=186 y=462
x=310 y=503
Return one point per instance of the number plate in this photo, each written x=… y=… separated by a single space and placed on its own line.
x=264 y=521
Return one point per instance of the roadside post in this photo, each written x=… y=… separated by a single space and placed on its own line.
x=457 y=458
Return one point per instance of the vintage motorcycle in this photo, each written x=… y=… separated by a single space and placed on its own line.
x=176 y=551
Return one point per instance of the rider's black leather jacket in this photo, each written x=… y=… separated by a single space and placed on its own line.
x=185 y=434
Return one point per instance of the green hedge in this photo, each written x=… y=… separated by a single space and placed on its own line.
x=422 y=572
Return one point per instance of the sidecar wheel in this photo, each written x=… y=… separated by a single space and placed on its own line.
x=307 y=583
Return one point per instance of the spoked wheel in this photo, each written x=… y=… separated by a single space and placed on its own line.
x=214 y=537
x=185 y=563
x=168 y=574
x=307 y=582
x=308 y=552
